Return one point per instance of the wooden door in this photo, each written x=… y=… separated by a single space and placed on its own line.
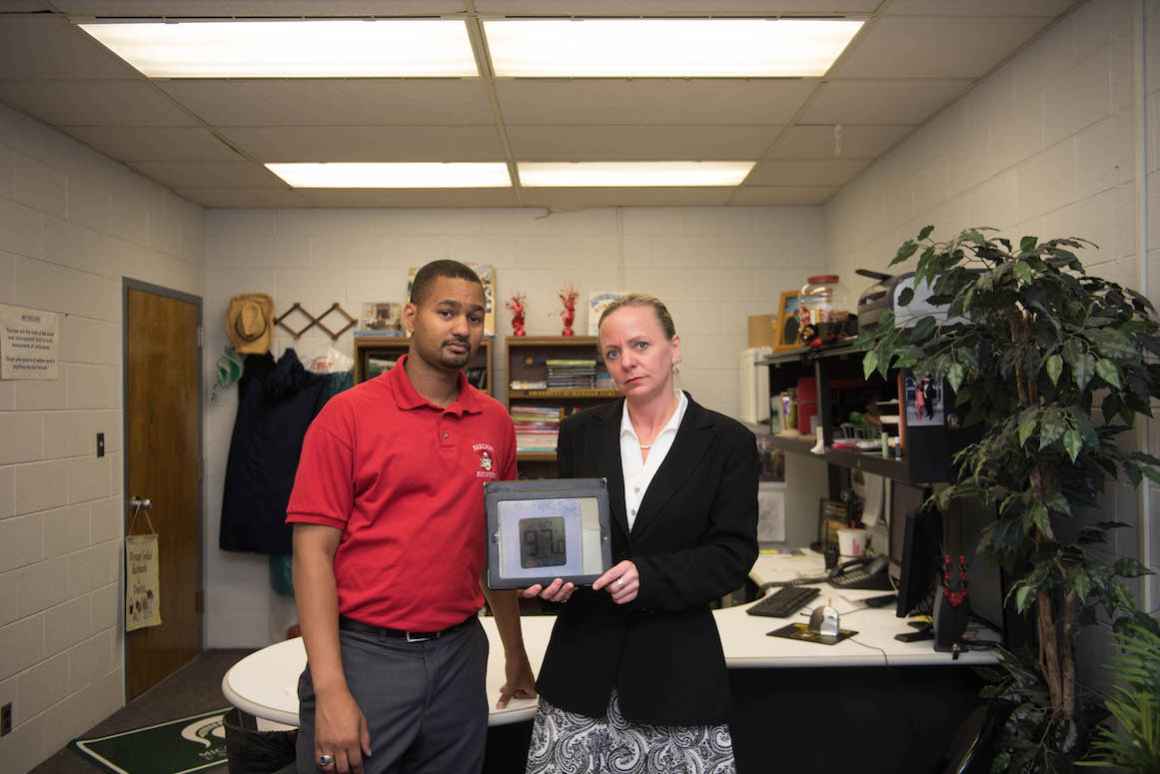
x=163 y=465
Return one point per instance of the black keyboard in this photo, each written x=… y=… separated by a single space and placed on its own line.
x=785 y=601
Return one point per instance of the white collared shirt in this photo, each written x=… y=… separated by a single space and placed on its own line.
x=639 y=474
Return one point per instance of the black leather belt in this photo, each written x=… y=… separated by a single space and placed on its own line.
x=351 y=625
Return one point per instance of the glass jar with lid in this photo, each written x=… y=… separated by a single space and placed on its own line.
x=824 y=309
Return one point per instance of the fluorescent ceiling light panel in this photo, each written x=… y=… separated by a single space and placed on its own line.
x=633 y=174
x=409 y=175
x=666 y=48
x=389 y=48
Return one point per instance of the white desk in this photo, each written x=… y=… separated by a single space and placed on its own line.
x=264 y=684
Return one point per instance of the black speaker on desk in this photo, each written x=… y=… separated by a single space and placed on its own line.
x=951 y=611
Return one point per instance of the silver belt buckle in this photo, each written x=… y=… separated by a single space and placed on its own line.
x=412 y=637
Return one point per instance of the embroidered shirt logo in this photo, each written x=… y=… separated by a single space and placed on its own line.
x=486 y=454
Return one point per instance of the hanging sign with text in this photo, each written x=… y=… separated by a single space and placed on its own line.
x=29 y=343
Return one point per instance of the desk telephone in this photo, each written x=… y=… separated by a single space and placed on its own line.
x=865 y=572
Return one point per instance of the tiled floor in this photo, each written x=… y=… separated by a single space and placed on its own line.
x=195 y=688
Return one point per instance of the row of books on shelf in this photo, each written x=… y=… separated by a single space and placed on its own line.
x=537 y=427
x=578 y=373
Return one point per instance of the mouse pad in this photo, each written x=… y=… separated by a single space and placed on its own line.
x=801 y=631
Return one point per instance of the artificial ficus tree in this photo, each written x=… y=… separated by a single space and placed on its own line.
x=1052 y=366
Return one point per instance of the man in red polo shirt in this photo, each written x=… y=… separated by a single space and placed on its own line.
x=389 y=553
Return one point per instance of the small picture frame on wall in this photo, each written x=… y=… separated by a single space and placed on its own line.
x=788 y=328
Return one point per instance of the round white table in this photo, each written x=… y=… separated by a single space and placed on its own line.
x=265 y=684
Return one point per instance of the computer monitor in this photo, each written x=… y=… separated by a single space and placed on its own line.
x=915 y=552
x=904 y=499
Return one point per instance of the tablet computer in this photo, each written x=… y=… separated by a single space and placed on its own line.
x=538 y=531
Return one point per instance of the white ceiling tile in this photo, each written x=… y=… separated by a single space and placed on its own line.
x=423 y=197
x=578 y=198
x=644 y=143
x=752 y=195
x=335 y=102
x=367 y=143
x=27 y=6
x=651 y=101
x=47 y=46
x=210 y=8
x=241 y=198
x=94 y=103
x=880 y=102
x=979 y=7
x=815 y=174
x=674 y=7
x=934 y=47
x=209 y=174
x=154 y=143
x=817 y=142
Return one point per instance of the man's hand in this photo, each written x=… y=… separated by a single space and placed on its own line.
x=623 y=582
x=556 y=591
x=340 y=730
x=520 y=682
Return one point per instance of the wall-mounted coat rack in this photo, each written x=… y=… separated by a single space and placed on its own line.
x=316 y=321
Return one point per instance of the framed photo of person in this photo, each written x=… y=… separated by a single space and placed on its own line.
x=541 y=530
x=788 y=328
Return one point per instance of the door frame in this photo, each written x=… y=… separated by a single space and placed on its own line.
x=127 y=284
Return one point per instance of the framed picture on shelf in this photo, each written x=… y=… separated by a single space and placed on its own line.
x=598 y=301
x=788 y=327
x=383 y=318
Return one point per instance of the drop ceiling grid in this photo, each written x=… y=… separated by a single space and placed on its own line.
x=207 y=139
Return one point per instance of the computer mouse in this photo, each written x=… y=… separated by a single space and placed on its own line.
x=825 y=620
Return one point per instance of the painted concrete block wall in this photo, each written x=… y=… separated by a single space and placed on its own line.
x=72 y=224
x=1046 y=145
x=712 y=266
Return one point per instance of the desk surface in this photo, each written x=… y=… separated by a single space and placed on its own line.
x=264 y=684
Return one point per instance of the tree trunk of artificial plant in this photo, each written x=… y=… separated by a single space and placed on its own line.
x=1056 y=655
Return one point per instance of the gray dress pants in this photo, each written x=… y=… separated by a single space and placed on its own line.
x=425 y=702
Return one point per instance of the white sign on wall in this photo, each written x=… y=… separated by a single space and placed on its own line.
x=29 y=343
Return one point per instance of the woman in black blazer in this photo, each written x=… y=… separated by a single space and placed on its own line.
x=634 y=677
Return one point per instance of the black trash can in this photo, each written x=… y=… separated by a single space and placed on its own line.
x=250 y=751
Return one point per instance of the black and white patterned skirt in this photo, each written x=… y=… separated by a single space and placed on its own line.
x=566 y=743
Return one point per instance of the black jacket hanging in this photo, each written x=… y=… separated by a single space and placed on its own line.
x=276 y=403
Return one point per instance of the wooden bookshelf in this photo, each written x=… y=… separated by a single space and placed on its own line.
x=527 y=361
x=394 y=347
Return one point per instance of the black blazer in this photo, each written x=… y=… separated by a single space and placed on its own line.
x=694 y=540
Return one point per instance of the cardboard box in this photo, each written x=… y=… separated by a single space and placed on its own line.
x=761 y=330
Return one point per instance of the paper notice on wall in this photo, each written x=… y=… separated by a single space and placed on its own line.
x=770 y=512
x=29 y=343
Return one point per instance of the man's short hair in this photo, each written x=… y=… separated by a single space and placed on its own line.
x=441 y=268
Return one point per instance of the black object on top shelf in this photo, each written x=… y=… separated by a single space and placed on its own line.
x=809 y=355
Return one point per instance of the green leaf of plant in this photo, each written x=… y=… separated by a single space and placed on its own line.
x=922 y=330
x=1073 y=443
x=1051 y=429
x=869 y=363
x=1040 y=519
x=906 y=296
x=1023 y=273
x=1027 y=244
x=955 y=375
x=1027 y=426
x=1022 y=598
x=907 y=249
x=1054 y=368
x=926 y=231
x=1108 y=371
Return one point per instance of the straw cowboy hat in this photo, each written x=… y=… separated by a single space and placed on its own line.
x=250 y=323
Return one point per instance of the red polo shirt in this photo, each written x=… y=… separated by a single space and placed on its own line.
x=403 y=479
